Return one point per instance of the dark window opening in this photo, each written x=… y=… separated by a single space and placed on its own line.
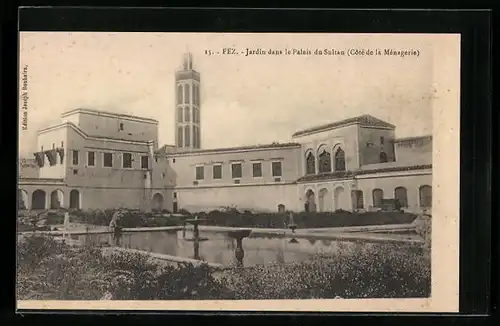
x=257 y=170
x=108 y=160
x=378 y=197
x=425 y=193
x=180 y=115
x=91 y=158
x=180 y=136
x=121 y=126
x=217 y=171
x=276 y=167
x=325 y=163
x=401 y=197
x=339 y=160
x=186 y=94
x=236 y=171
x=383 y=157
x=127 y=160
x=187 y=139
x=75 y=157
x=179 y=94
x=144 y=162
x=357 y=199
x=187 y=114
x=200 y=172
x=310 y=164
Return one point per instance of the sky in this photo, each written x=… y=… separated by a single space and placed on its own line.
x=245 y=100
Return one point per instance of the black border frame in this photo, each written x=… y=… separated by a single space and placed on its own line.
x=476 y=93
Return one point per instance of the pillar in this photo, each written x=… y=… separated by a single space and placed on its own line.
x=47 y=199
x=316 y=198
x=316 y=162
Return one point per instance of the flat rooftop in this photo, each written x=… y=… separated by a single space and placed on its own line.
x=365 y=120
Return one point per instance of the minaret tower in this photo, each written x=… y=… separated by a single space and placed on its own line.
x=187 y=104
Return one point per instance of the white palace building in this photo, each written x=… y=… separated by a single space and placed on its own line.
x=94 y=159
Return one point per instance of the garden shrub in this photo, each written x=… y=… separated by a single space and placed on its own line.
x=380 y=272
x=50 y=270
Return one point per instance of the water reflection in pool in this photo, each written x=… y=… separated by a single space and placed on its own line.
x=219 y=248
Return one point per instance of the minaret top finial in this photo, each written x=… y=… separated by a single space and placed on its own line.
x=188 y=61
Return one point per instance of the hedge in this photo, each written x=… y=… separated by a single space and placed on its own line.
x=132 y=219
x=305 y=219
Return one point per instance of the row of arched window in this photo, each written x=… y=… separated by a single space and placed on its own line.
x=185 y=90
x=184 y=114
x=340 y=201
x=401 y=197
x=325 y=161
x=184 y=136
x=38 y=199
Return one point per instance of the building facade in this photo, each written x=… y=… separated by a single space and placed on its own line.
x=96 y=159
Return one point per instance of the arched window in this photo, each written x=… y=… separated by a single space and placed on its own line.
x=400 y=195
x=187 y=114
x=383 y=157
x=38 y=199
x=310 y=164
x=180 y=138
x=310 y=205
x=340 y=160
x=157 y=202
x=180 y=114
x=339 y=199
x=179 y=94
x=186 y=94
x=74 y=199
x=56 y=199
x=198 y=101
x=378 y=196
x=425 y=193
x=357 y=199
x=22 y=198
x=195 y=94
x=196 y=114
x=323 y=200
x=325 y=163
x=187 y=139
x=196 y=138
x=281 y=208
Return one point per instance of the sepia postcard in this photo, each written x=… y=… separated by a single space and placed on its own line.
x=248 y=172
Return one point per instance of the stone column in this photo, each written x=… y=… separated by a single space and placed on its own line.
x=316 y=162
x=316 y=198
x=47 y=199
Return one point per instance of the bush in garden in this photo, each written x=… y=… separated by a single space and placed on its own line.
x=59 y=272
x=379 y=272
x=424 y=228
